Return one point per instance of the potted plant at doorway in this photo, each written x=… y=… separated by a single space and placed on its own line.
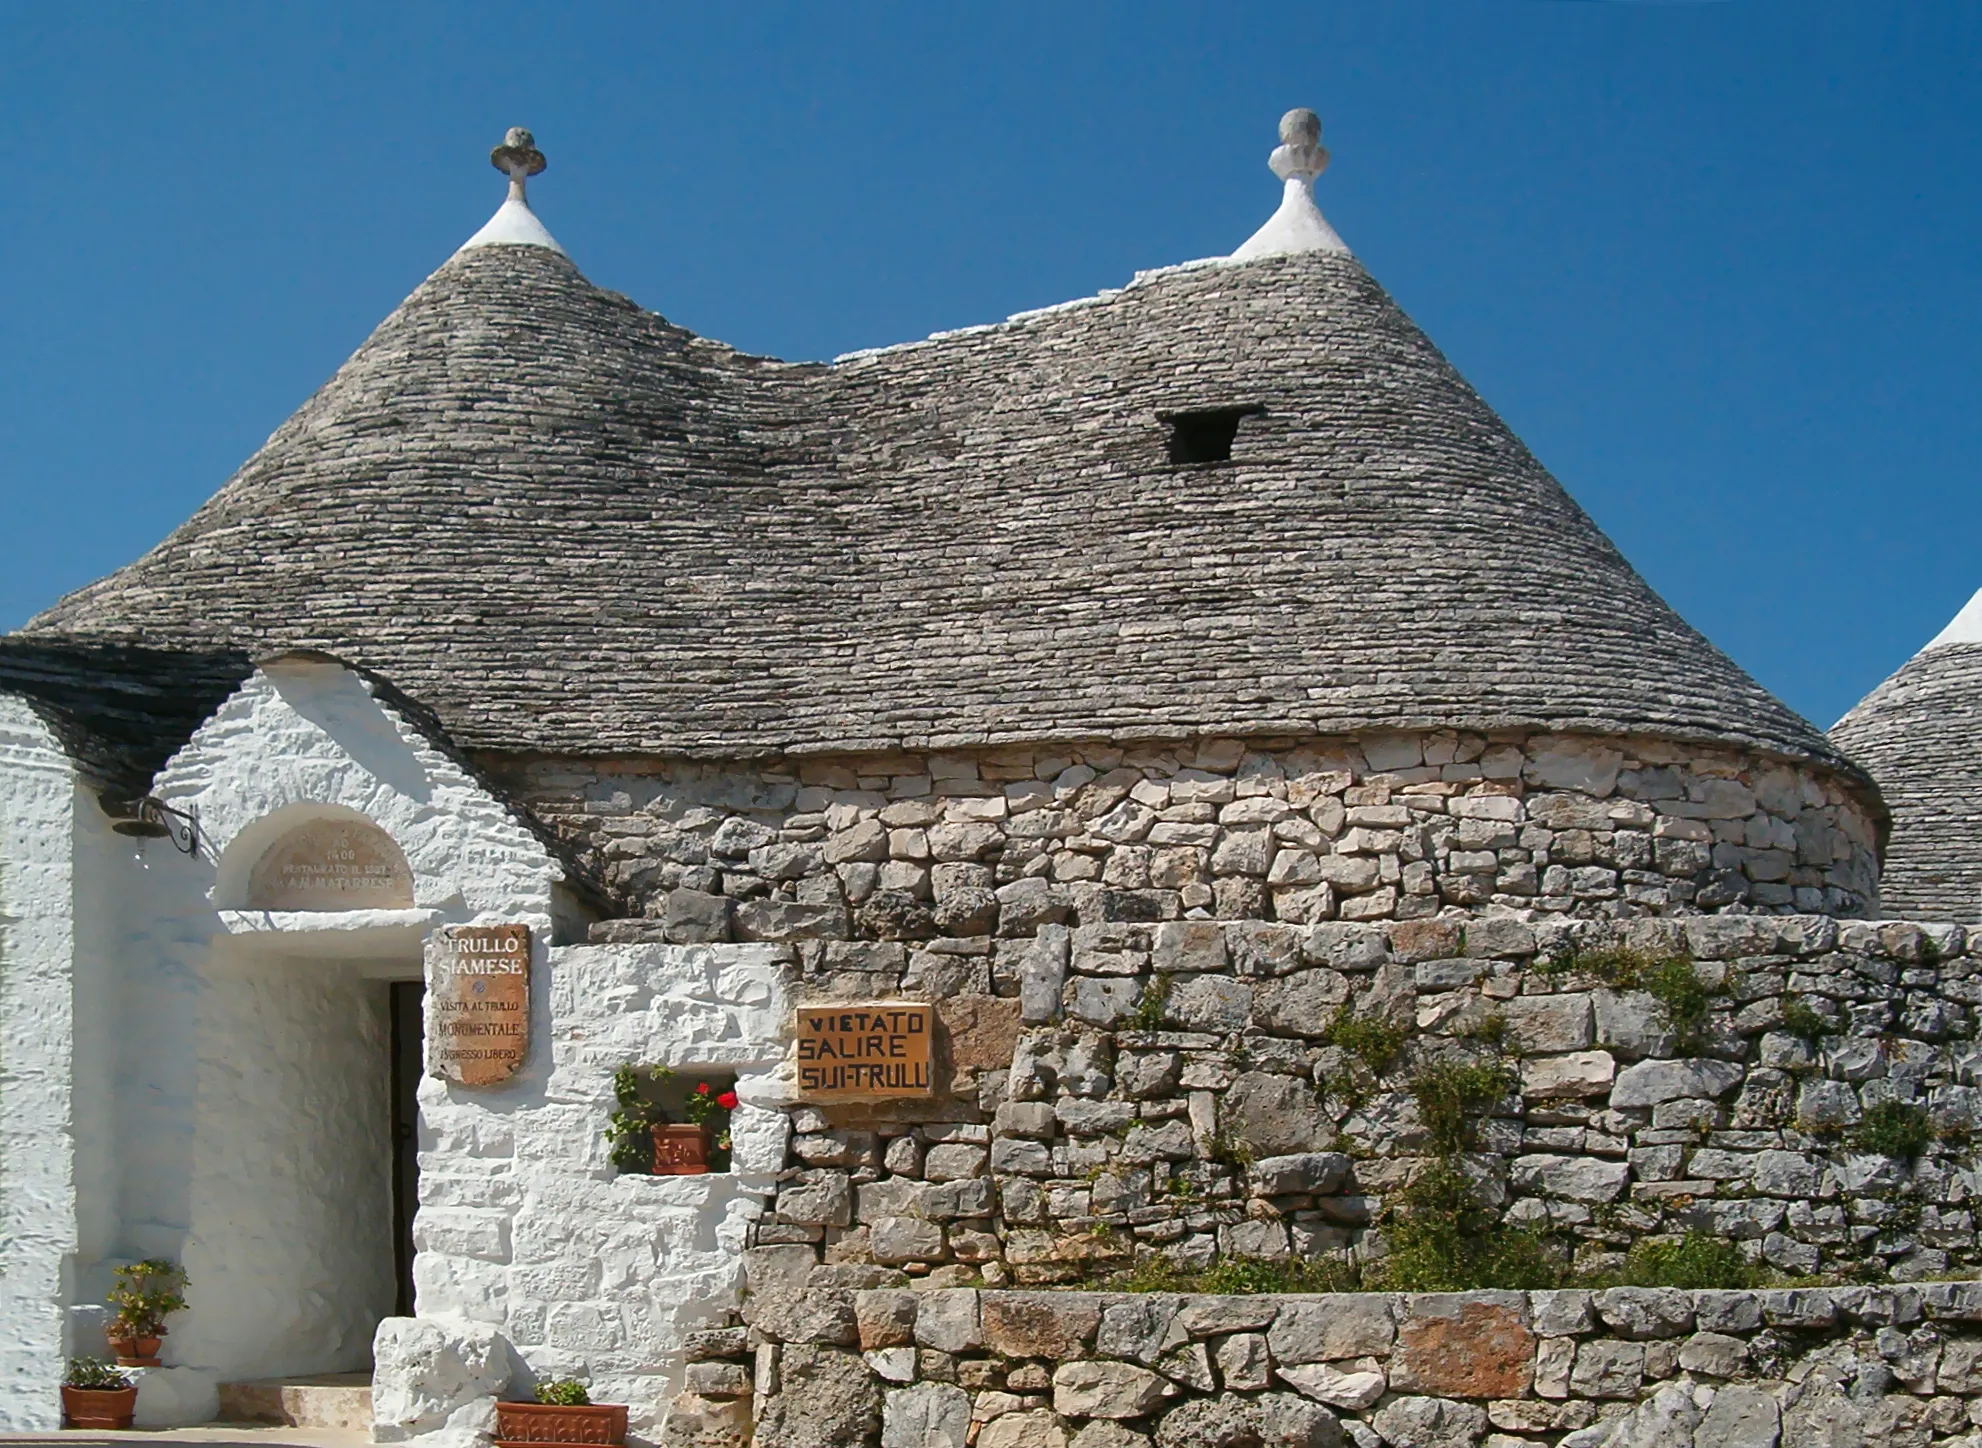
x=562 y=1413
x=145 y=1294
x=97 y=1395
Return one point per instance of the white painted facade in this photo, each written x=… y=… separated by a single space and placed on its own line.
x=185 y=1076
x=38 y=1215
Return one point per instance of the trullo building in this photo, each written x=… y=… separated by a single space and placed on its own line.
x=1115 y=694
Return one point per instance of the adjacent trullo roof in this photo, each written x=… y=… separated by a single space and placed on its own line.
x=1920 y=734
x=566 y=525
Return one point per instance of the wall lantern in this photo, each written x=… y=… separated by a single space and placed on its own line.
x=149 y=818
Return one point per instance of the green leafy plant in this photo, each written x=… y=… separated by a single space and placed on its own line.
x=1452 y=1096
x=1442 y=1239
x=1685 y=1000
x=564 y=1393
x=145 y=1294
x=1370 y=1039
x=1894 y=1129
x=630 y=1129
x=1148 y=1014
x=1697 y=1260
x=1239 y=1276
x=1798 y=1019
x=93 y=1374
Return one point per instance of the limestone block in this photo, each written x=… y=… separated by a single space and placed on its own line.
x=927 y=1415
x=827 y=1399
x=1352 y=1390
x=1313 y=1173
x=1576 y=1178
x=1352 y=1326
x=697 y=1422
x=1646 y=1312
x=895 y=1240
x=1562 y=1313
x=1301 y=1004
x=1740 y=1416
x=1244 y=1364
x=1606 y=1368
x=1430 y=1423
x=1274 y=1115
x=1106 y=1433
x=1580 y=1073
x=1472 y=1345
x=1054 y=1326
x=1550 y=1024
x=947 y=1320
x=1209 y=1003
x=1105 y=1390
x=1037 y=1429
x=437 y=1376
x=1650 y=1082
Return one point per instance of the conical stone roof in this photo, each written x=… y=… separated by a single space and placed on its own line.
x=568 y=526
x=1920 y=735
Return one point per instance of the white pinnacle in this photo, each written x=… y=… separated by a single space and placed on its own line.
x=1964 y=628
x=1298 y=224
x=514 y=223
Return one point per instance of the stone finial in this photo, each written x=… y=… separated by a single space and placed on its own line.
x=518 y=157
x=514 y=224
x=1297 y=226
x=518 y=153
x=1300 y=152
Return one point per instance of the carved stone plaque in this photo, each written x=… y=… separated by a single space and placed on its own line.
x=331 y=865
x=871 y=1052
x=478 y=1002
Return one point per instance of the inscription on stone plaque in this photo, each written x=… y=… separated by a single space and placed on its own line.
x=871 y=1052
x=478 y=1002
x=331 y=865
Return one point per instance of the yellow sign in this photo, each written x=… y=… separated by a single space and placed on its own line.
x=866 y=1052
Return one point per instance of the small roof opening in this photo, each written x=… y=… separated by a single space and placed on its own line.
x=1205 y=435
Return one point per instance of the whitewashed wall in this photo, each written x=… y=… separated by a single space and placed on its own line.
x=38 y=802
x=526 y=1226
x=252 y=1093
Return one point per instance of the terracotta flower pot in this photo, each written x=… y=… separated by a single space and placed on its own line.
x=518 y=1424
x=681 y=1148
x=98 y=1407
x=135 y=1352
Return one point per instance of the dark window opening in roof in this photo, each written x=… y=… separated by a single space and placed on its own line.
x=1205 y=436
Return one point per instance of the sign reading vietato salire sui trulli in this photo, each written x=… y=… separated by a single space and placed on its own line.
x=478 y=1002
x=867 y=1052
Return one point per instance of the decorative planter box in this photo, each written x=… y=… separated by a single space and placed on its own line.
x=681 y=1148
x=519 y=1424
x=114 y=1407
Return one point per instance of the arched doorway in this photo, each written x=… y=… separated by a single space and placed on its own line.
x=304 y=1151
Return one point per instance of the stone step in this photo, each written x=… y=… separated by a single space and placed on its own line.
x=321 y=1400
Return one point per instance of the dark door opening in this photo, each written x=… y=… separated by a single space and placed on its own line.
x=408 y=1041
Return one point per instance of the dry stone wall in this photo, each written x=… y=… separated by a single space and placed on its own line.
x=869 y=1361
x=995 y=843
x=1185 y=1087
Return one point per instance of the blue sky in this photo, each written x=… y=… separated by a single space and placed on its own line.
x=1716 y=263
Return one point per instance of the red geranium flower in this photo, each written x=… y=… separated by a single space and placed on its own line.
x=727 y=1101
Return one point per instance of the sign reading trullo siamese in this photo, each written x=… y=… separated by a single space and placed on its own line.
x=870 y=1052
x=478 y=1002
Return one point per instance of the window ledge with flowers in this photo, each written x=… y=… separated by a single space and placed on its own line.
x=670 y=1124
